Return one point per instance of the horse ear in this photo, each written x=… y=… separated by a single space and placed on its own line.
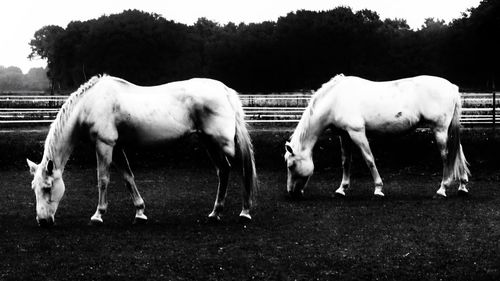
x=50 y=167
x=289 y=148
x=32 y=165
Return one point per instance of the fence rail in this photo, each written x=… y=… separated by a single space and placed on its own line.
x=478 y=109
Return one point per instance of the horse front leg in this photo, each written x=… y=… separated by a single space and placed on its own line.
x=121 y=163
x=359 y=138
x=346 y=150
x=104 y=153
x=223 y=174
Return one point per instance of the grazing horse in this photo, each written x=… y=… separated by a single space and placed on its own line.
x=354 y=106
x=114 y=114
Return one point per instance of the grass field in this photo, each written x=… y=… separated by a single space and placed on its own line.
x=406 y=236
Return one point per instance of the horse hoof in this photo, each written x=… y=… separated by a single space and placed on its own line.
x=462 y=193
x=140 y=221
x=95 y=223
x=214 y=219
x=45 y=223
x=378 y=197
x=245 y=219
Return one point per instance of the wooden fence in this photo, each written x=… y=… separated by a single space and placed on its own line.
x=478 y=109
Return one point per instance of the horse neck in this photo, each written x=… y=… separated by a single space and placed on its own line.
x=60 y=141
x=63 y=132
x=310 y=127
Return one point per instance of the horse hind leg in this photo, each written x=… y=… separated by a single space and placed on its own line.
x=441 y=136
x=346 y=150
x=464 y=178
x=120 y=161
x=359 y=138
x=223 y=166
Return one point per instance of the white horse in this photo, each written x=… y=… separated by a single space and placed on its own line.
x=355 y=105
x=114 y=113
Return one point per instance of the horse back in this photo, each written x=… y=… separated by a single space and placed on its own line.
x=390 y=106
x=147 y=115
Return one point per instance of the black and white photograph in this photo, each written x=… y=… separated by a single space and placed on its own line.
x=250 y=140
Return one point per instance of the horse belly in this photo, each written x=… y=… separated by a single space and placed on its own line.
x=394 y=122
x=154 y=129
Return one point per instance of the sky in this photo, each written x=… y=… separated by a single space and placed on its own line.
x=19 y=19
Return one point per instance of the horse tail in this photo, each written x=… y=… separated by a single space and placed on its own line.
x=244 y=147
x=456 y=161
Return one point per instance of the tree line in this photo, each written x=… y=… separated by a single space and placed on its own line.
x=301 y=50
x=12 y=79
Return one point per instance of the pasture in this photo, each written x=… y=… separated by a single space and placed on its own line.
x=406 y=236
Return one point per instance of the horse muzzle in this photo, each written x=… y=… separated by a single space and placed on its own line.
x=46 y=222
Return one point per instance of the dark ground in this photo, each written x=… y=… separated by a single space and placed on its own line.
x=406 y=236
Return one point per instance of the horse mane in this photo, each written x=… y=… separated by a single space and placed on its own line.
x=325 y=88
x=57 y=127
x=304 y=124
x=301 y=131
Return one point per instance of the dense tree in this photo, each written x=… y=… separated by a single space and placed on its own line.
x=300 y=50
x=43 y=46
x=472 y=55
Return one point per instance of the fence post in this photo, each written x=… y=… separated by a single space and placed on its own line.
x=494 y=110
x=494 y=107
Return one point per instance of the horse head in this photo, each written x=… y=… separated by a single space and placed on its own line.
x=49 y=188
x=300 y=167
